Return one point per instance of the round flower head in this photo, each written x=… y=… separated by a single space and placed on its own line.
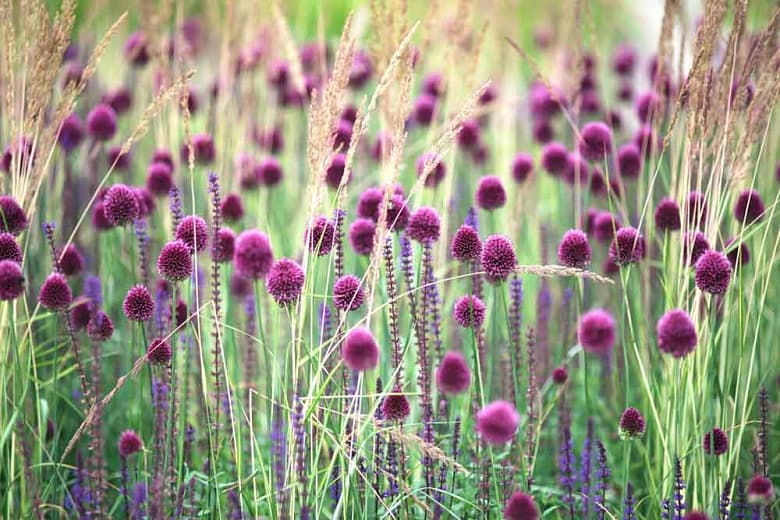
x=760 y=490
x=100 y=327
x=424 y=225
x=720 y=444
x=320 y=236
x=129 y=443
x=453 y=376
x=646 y=140
x=628 y=246
x=696 y=209
x=159 y=179
x=395 y=407
x=625 y=91
x=193 y=231
x=577 y=169
x=676 y=333
x=520 y=507
x=223 y=245
x=240 y=286
x=560 y=375
x=498 y=258
x=203 y=150
x=555 y=158
x=436 y=173
x=360 y=351
x=694 y=245
x=120 y=99
x=542 y=131
x=667 y=215
x=12 y=217
x=118 y=159
x=596 y=331
x=138 y=304
x=595 y=141
x=648 y=105
x=9 y=249
x=369 y=202
x=605 y=225
x=335 y=171
x=522 y=167
x=466 y=245
x=136 y=49
x=629 y=161
x=164 y=156
x=71 y=133
x=101 y=122
x=361 y=236
x=269 y=171
x=490 y=193
x=232 y=208
x=159 y=352
x=624 y=60
x=146 y=202
x=121 y=205
x=632 y=424
x=713 y=272
x=11 y=280
x=71 y=261
x=349 y=113
x=99 y=219
x=175 y=261
x=749 y=207
x=285 y=281
x=469 y=311
x=253 y=256
x=361 y=70
x=545 y=103
x=574 y=249
x=397 y=213
x=55 y=293
x=348 y=295
x=468 y=135
x=696 y=515
x=343 y=135
x=81 y=313
x=497 y=422
x=424 y=109
x=738 y=254
x=433 y=84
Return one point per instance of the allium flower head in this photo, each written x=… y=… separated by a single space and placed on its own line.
x=253 y=256
x=121 y=205
x=335 y=170
x=542 y=131
x=269 y=171
x=343 y=136
x=118 y=158
x=555 y=158
x=129 y=443
x=574 y=249
x=11 y=280
x=469 y=311
x=694 y=245
x=522 y=167
x=749 y=207
x=667 y=215
x=369 y=202
x=101 y=122
x=605 y=226
x=437 y=172
x=12 y=217
x=596 y=331
x=713 y=272
x=560 y=375
x=738 y=254
x=232 y=208
x=320 y=236
x=720 y=445
x=159 y=352
x=224 y=245
x=424 y=109
x=203 y=150
x=624 y=60
x=577 y=169
x=468 y=135
x=498 y=258
x=648 y=106
x=193 y=231
x=629 y=161
x=632 y=424
x=119 y=99
x=696 y=515
x=453 y=376
x=397 y=213
x=55 y=294
x=137 y=49
x=395 y=407
x=71 y=261
x=100 y=327
x=164 y=156
x=138 y=304
x=284 y=281
x=9 y=248
x=159 y=178
x=646 y=140
x=361 y=235
x=434 y=84
x=424 y=225
x=760 y=490
x=676 y=333
x=595 y=141
x=348 y=294
x=628 y=246
x=520 y=507
x=71 y=132
x=360 y=351
x=490 y=193
x=466 y=245
x=497 y=422
x=175 y=261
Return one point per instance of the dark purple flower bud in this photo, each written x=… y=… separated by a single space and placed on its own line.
x=713 y=272
x=624 y=60
x=223 y=246
x=193 y=231
x=696 y=209
x=424 y=109
x=632 y=424
x=466 y=245
x=468 y=135
x=498 y=258
x=433 y=84
x=453 y=376
x=120 y=100
x=71 y=132
x=284 y=281
x=596 y=331
x=490 y=193
x=159 y=352
x=574 y=249
x=720 y=444
x=760 y=490
x=360 y=351
x=348 y=294
x=694 y=245
x=397 y=213
x=469 y=311
x=100 y=327
x=595 y=142
x=646 y=140
x=321 y=236
x=232 y=208
x=129 y=443
x=738 y=254
x=749 y=207
x=335 y=171
x=136 y=49
x=12 y=217
x=605 y=226
x=55 y=293
x=138 y=304
x=436 y=173
x=395 y=407
x=560 y=375
x=497 y=422
x=522 y=167
x=648 y=106
x=175 y=261
x=101 y=122
x=520 y=507
x=667 y=215
x=203 y=150
x=343 y=136
x=361 y=235
x=424 y=225
x=676 y=333
x=542 y=130
x=361 y=70
x=629 y=161
x=121 y=205
x=159 y=179
x=9 y=249
x=71 y=261
x=268 y=171
x=253 y=256
x=11 y=280
x=628 y=246
x=555 y=158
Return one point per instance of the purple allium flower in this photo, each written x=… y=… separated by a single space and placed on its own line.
x=138 y=304
x=361 y=235
x=100 y=327
x=522 y=167
x=55 y=293
x=545 y=103
x=749 y=207
x=596 y=331
x=696 y=209
x=738 y=254
x=466 y=245
x=577 y=169
x=490 y=193
x=629 y=161
x=146 y=202
x=397 y=213
x=193 y=231
x=720 y=445
x=590 y=102
x=497 y=422
x=713 y=272
x=320 y=236
x=118 y=159
x=159 y=352
x=136 y=49
x=369 y=202
x=625 y=91
x=223 y=245
x=595 y=141
x=667 y=215
x=9 y=249
x=395 y=407
x=469 y=311
x=164 y=156
x=335 y=170
x=560 y=375
x=696 y=515
x=555 y=158
x=694 y=245
x=648 y=106
x=360 y=351
x=232 y=208
x=632 y=424
x=424 y=109
x=11 y=280
x=348 y=295
x=12 y=217
x=453 y=376
x=574 y=249
x=120 y=99
x=498 y=258
x=159 y=178
x=71 y=260
x=203 y=150
x=646 y=140
x=760 y=490
x=101 y=122
x=99 y=220
x=424 y=225
x=343 y=135
x=71 y=133
x=253 y=256
x=433 y=84
x=436 y=173
x=129 y=443
x=81 y=312
x=284 y=281
x=605 y=225
x=542 y=130
x=520 y=507
x=624 y=60
x=468 y=135
x=121 y=205
x=676 y=333
x=268 y=171
x=628 y=246
x=175 y=261
x=361 y=70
